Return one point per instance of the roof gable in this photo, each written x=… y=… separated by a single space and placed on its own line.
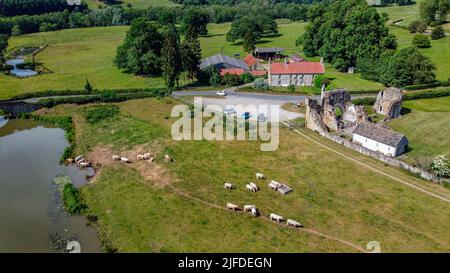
x=297 y=68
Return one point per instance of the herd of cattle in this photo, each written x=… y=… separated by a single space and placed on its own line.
x=145 y=157
x=81 y=161
x=273 y=185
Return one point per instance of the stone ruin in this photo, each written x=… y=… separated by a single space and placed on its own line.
x=335 y=112
x=389 y=103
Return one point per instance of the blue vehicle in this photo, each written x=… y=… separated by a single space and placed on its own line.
x=246 y=115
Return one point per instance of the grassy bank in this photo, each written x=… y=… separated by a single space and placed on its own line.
x=331 y=194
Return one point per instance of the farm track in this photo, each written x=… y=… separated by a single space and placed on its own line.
x=445 y=199
x=265 y=218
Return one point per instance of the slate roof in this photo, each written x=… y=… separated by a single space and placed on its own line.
x=220 y=58
x=297 y=68
x=269 y=49
x=296 y=58
x=379 y=133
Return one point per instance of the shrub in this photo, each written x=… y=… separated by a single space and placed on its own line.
x=72 y=199
x=441 y=166
x=98 y=113
x=437 y=33
x=417 y=26
x=260 y=85
x=231 y=80
x=247 y=78
x=291 y=88
x=320 y=80
x=421 y=41
x=364 y=101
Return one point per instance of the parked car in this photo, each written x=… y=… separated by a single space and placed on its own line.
x=229 y=111
x=221 y=93
x=246 y=115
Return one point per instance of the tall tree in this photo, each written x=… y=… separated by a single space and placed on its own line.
x=191 y=53
x=141 y=51
x=434 y=12
x=343 y=31
x=196 y=21
x=247 y=30
x=3 y=47
x=171 y=57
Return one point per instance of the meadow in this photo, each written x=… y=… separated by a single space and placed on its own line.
x=179 y=209
x=427 y=126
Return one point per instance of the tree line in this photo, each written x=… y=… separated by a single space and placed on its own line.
x=350 y=33
x=32 y=7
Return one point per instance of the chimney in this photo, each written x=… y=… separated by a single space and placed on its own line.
x=321 y=60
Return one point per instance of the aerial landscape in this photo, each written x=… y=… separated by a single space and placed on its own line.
x=225 y=126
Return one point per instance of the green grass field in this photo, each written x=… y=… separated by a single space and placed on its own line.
x=427 y=127
x=332 y=195
x=73 y=55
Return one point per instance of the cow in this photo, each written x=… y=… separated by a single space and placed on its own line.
x=248 y=208
x=276 y=217
x=255 y=211
x=79 y=157
x=85 y=164
x=69 y=160
x=124 y=160
x=81 y=161
x=147 y=156
x=273 y=186
x=250 y=188
x=260 y=176
x=140 y=157
x=232 y=206
x=293 y=223
x=168 y=158
x=151 y=159
x=115 y=157
x=254 y=186
x=229 y=186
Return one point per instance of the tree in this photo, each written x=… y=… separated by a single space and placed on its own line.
x=140 y=53
x=421 y=41
x=170 y=57
x=343 y=31
x=191 y=53
x=434 y=12
x=196 y=20
x=406 y=67
x=437 y=33
x=3 y=47
x=417 y=26
x=321 y=80
x=88 y=87
x=246 y=29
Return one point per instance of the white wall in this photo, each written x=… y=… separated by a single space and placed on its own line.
x=374 y=145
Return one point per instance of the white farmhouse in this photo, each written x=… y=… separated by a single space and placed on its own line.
x=380 y=139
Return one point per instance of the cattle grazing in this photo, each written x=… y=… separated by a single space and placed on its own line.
x=274 y=185
x=276 y=217
x=115 y=157
x=232 y=206
x=254 y=186
x=248 y=207
x=168 y=158
x=260 y=176
x=140 y=157
x=78 y=158
x=147 y=156
x=69 y=160
x=125 y=160
x=84 y=164
x=293 y=223
x=229 y=186
x=250 y=188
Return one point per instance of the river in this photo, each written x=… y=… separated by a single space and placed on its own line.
x=31 y=212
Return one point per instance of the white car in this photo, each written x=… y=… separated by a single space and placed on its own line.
x=221 y=93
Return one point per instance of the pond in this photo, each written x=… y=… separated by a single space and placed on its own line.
x=19 y=72
x=33 y=218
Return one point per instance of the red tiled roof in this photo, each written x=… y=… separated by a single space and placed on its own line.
x=250 y=60
x=258 y=72
x=232 y=71
x=297 y=68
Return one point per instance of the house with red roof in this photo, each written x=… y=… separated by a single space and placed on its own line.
x=298 y=73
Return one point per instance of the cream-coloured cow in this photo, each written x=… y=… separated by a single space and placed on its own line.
x=254 y=186
x=228 y=186
x=293 y=223
x=116 y=157
x=125 y=160
x=248 y=207
x=276 y=217
x=250 y=188
x=140 y=157
x=260 y=176
x=232 y=206
x=168 y=158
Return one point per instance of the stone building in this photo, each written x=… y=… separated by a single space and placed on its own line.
x=380 y=139
x=298 y=73
x=389 y=103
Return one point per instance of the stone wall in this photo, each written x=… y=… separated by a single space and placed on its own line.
x=389 y=103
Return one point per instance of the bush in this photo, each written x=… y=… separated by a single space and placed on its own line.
x=320 y=80
x=72 y=199
x=437 y=33
x=247 y=78
x=291 y=88
x=421 y=41
x=441 y=166
x=427 y=94
x=364 y=101
x=260 y=85
x=98 y=113
x=417 y=26
x=426 y=85
x=231 y=80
